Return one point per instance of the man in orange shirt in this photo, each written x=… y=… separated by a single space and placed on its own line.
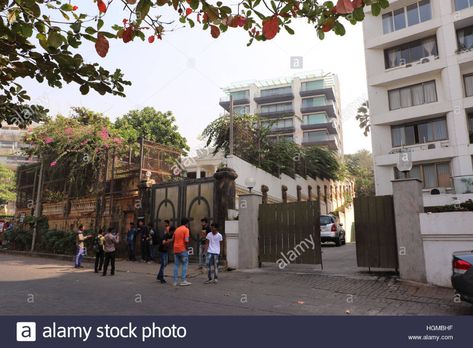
x=181 y=240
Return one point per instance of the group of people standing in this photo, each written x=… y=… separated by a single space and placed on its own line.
x=171 y=239
x=104 y=247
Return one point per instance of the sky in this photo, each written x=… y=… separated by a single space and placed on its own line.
x=186 y=71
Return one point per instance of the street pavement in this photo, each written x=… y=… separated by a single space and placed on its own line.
x=32 y=285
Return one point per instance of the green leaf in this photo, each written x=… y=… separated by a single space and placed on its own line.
x=143 y=8
x=55 y=39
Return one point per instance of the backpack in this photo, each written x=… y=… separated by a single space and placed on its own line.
x=97 y=246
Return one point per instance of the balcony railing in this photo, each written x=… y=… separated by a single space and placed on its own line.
x=327 y=91
x=328 y=107
x=277 y=113
x=225 y=102
x=463 y=184
x=329 y=126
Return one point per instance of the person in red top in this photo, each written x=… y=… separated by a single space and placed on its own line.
x=181 y=240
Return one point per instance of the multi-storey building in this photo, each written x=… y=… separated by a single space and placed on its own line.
x=304 y=108
x=11 y=146
x=419 y=62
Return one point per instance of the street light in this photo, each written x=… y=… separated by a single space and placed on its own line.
x=250 y=183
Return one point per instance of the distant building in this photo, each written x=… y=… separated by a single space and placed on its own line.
x=304 y=108
x=11 y=145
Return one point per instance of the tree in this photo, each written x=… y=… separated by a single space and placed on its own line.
x=7 y=185
x=360 y=167
x=252 y=143
x=40 y=38
x=152 y=125
x=363 y=117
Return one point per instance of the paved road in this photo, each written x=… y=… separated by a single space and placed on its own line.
x=57 y=288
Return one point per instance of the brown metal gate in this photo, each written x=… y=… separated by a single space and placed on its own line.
x=375 y=231
x=290 y=233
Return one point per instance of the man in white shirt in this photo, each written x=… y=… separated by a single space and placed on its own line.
x=214 y=244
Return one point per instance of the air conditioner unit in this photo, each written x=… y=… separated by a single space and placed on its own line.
x=438 y=191
x=424 y=60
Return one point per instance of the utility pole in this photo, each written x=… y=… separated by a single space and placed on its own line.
x=231 y=125
x=37 y=208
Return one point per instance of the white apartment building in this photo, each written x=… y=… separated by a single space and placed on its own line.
x=419 y=62
x=304 y=108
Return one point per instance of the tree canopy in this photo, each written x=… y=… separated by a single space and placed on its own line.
x=40 y=39
x=253 y=144
x=360 y=167
x=152 y=125
x=7 y=185
x=363 y=117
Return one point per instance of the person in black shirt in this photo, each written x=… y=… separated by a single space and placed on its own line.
x=145 y=237
x=203 y=239
x=163 y=250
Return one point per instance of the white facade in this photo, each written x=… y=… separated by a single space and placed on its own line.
x=407 y=111
x=304 y=108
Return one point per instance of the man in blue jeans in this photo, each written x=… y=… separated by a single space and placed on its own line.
x=214 y=245
x=164 y=242
x=131 y=240
x=80 y=246
x=180 y=239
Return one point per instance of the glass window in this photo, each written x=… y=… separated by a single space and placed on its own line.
x=461 y=4
x=419 y=133
x=276 y=91
x=465 y=38
x=241 y=110
x=410 y=52
x=412 y=14
x=443 y=175
x=388 y=24
x=281 y=107
x=315 y=101
x=468 y=85
x=394 y=99
x=238 y=95
x=312 y=85
x=430 y=176
x=425 y=11
x=315 y=136
x=422 y=93
x=399 y=19
x=317 y=118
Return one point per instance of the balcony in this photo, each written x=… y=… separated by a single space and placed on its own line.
x=323 y=140
x=329 y=109
x=274 y=98
x=329 y=126
x=282 y=130
x=289 y=112
x=225 y=102
x=328 y=92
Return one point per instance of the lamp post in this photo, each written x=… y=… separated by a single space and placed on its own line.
x=250 y=183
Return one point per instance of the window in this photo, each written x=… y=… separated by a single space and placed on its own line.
x=407 y=16
x=241 y=110
x=465 y=38
x=313 y=85
x=410 y=52
x=419 y=133
x=468 y=79
x=462 y=4
x=311 y=137
x=279 y=124
x=317 y=118
x=276 y=107
x=276 y=91
x=470 y=127
x=314 y=101
x=432 y=174
x=238 y=95
x=422 y=93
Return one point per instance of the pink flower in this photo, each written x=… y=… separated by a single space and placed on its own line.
x=84 y=142
x=68 y=131
x=48 y=140
x=52 y=164
x=117 y=140
x=103 y=134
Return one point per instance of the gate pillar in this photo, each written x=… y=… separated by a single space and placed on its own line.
x=224 y=195
x=248 y=231
x=408 y=203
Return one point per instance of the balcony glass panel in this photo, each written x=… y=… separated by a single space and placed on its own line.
x=313 y=85
x=276 y=91
x=314 y=101
x=318 y=118
x=238 y=95
x=310 y=137
x=276 y=108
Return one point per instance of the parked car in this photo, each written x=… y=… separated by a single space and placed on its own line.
x=331 y=230
x=462 y=274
